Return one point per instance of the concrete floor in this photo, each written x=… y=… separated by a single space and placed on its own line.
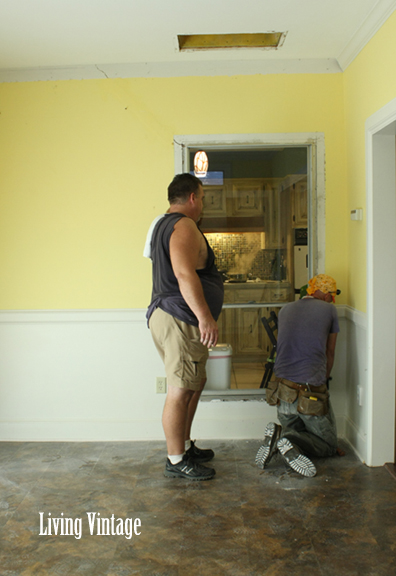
x=245 y=522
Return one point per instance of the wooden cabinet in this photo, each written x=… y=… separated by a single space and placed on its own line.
x=250 y=295
x=247 y=194
x=277 y=215
x=300 y=204
x=226 y=327
x=241 y=326
x=270 y=205
x=256 y=293
x=279 y=294
x=249 y=334
x=215 y=200
x=296 y=185
x=244 y=330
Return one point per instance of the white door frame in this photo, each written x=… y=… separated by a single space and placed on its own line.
x=381 y=283
x=316 y=173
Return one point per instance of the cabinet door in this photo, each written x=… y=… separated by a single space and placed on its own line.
x=300 y=204
x=279 y=203
x=250 y=295
x=279 y=294
x=247 y=197
x=271 y=216
x=248 y=337
x=284 y=216
x=227 y=328
x=215 y=201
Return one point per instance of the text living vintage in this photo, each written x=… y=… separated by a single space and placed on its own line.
x=98 y=526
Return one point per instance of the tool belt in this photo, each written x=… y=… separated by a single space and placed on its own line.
x=312 y=401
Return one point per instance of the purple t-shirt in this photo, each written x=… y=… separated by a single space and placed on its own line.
x=303 y=329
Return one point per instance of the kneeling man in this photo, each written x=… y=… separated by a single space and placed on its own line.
x=307 y=334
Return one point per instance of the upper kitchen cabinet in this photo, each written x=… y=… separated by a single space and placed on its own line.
x=276 y=201
x=234 y=206
x=300 y=204
x=247 y=196
x=296 y=184
x=215 y=200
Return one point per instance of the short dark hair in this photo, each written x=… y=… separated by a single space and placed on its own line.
x=181 y=187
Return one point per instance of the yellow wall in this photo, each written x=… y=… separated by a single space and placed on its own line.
x=369 y=84
x=84 y=167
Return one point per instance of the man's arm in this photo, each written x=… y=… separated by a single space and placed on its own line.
x=185 y=252
x=330 y=351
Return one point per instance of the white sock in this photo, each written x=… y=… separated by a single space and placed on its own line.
x=175 y=458
x=187 y=444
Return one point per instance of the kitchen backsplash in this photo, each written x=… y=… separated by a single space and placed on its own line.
x=242 y=254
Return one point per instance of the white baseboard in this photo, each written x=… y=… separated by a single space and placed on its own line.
x=356 y=439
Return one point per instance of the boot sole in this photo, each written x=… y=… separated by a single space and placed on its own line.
x=298 y=462
x=269 y=447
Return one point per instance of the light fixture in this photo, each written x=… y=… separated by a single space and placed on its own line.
x=201 y=164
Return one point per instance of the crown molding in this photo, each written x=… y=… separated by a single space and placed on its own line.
x=377 y=17
x=173 y=69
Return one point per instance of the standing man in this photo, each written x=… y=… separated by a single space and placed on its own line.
x=307 y=334
x=186 y=302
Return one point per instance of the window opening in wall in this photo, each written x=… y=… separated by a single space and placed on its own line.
x=256 y=220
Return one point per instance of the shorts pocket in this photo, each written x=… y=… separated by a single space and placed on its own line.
x=193 y=366
x=193 y=356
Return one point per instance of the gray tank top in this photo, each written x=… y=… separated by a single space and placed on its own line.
x=166 y=293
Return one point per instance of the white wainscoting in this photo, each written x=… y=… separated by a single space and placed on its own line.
x=90 y=375
x=355 y=375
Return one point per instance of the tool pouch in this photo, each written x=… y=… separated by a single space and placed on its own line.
x=313 y=403
x=286 y=393
x=271 y=393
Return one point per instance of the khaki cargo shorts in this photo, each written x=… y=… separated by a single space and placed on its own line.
x=180 y=348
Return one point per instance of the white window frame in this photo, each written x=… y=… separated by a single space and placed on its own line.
x=315 y=143
x=316 y=198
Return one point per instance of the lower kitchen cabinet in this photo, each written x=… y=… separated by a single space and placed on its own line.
x=244 y=330
x=226 y=326
x=248 y=333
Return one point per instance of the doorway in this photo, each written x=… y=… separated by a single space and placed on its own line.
x=381 y=281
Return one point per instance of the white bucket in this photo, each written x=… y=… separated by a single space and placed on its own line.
x=218 y=367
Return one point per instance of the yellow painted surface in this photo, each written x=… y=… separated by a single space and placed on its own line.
x=84 y=167
x=369 y=84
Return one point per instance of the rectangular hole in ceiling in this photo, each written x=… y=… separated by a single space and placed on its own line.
x=223 y=41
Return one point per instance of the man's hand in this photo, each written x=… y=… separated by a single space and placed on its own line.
x=209 y=332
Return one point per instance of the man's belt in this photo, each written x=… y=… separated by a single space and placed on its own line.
x=291 y=384
x=301 y=386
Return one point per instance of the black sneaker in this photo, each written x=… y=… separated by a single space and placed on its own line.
x=269 y=446
x=293 y=457
x=199 y=455
x=188 y=469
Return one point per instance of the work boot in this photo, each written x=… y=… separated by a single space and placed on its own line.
x=293 y=457
x=269 y=446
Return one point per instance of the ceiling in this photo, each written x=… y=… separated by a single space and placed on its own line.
x=110 y=38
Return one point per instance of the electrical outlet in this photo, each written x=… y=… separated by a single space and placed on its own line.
x=161 y=385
